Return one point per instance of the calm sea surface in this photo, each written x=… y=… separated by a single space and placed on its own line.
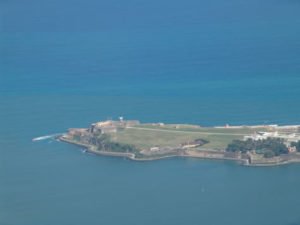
x=70 y=63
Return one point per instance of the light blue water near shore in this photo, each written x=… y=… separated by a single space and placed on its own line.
x=66 y=64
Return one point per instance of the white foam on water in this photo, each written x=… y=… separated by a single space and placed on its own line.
x=41 y=138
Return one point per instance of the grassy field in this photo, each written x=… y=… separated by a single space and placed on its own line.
x=147 y=136
x=220 y=142
x=150 y=138
x=186 y=127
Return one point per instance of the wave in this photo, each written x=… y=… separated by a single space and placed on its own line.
x=41 y=138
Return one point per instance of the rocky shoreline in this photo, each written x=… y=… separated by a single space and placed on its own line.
x=211 y=155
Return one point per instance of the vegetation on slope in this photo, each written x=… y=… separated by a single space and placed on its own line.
x=103 y=143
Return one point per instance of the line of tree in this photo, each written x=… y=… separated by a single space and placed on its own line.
x=297 y=145
x=269 y=147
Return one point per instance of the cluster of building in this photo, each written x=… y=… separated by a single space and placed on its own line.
x=287 y=137
x=112 y=126
x=265 y=135
x=103 y=127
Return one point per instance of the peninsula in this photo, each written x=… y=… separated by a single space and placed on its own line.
x=261 y=145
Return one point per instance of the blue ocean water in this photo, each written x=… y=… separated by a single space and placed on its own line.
x=69 y=63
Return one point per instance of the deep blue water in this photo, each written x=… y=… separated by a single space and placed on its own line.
x=70 y=63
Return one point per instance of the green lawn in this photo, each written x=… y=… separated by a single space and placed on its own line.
x=147 y=136
x=220 y=142
x=187 y=127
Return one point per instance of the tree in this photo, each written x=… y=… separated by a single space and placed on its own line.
x=269 y=147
